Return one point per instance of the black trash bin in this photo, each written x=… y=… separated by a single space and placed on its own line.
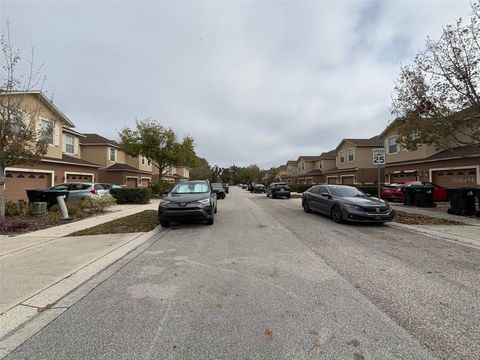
x=47 y=195
x=462 y=201
x=419 y=195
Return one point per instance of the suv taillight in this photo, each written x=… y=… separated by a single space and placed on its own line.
x=93 y=191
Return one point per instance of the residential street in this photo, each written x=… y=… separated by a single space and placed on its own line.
x=268 y=281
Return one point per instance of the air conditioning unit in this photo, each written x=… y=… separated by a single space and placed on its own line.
x=38 y=208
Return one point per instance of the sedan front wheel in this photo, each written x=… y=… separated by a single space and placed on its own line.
x=337 y=214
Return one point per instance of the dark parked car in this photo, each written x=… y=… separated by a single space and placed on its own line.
x=188 y=200
x=251 y=186
x=259 y=189
x=219 y=190
x=278 y=189
x=225 y=187
x=346 y=203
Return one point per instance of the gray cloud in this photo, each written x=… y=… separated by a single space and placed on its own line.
x=252 y=82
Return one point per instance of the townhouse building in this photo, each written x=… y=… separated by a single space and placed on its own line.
x=63 y=161
x=353 y=162
x=173 y=175
x=291 y=172
x=456 y=167
x=116 y=166
x=318 y=165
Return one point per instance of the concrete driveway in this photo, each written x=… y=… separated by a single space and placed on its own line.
x=268 y=281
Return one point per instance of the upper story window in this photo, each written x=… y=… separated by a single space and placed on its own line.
x=143 y=159
x=301 y=166
x=69 y=144
x=351 y=154
x=48 y=131
x=113 y=154
x=392 y=145
x=342 y=156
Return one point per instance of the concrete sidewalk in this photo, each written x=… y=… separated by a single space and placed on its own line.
x=40 y=268
x=467 y=234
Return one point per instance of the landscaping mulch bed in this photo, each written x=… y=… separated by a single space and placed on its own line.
x=17 y=225
x=403 y=217
x=141 y=222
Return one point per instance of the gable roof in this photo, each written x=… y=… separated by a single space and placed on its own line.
x=372 y=142
x=328 y=155
x=125 y=167
x=95 y=139
x=291 y=162
x=44 y=100
x=308 y=158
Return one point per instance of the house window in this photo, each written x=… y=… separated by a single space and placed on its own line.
x=392 y=145
x=350 y=154
x=113 y=154
x=342 y=156
x=48 y=132
x=69 y=144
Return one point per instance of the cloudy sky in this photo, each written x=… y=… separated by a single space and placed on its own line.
x=252 y=81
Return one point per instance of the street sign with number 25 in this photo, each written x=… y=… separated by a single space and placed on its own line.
x=378 y=156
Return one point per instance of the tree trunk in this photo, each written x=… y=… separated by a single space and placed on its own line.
x=2 y=193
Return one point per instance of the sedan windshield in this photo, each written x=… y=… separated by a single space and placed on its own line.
x=190 y=188
x=345 y=191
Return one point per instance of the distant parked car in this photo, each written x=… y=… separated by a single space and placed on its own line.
x=192 y=200
x=394 y=192
x=225 y=187
x=80 y=191
x=278 y=189
x=251 y=186
x=219 y=190
x=346 y=203
x=259 y=189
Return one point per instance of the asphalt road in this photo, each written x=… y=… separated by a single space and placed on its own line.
x=268 y=281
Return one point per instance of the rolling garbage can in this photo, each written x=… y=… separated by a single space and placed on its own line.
x=419 y=195
x=47 y=195
x=462 y=201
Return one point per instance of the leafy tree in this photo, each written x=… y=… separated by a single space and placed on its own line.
x=437 y=97
x=159 y=145
x=22 y=141
x=201 y=170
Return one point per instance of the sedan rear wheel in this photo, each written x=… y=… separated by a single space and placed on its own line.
x=337 y=215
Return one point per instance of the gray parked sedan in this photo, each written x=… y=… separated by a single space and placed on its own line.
x=346 y=203
x=80 y=191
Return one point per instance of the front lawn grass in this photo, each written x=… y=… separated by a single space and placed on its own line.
x=141 y=222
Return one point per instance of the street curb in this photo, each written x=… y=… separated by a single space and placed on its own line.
x=16 y=317
x=437 y=234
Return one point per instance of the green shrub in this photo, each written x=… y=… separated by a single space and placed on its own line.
x=16 y=208
x=300 y=188
x=132 y=196
x=372 y=190
x=161 y=187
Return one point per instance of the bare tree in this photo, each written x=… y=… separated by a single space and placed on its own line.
x=437 y=97
x=22 y=140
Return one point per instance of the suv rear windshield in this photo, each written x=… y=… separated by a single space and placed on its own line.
x=191 y=188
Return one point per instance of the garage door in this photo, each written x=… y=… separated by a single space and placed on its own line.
x=403 y=177
x=131 y=183
x=331 y=180
x=17 y=182
x=79 y=178
x=348 y=180
x=145 y=182
x=455 y=178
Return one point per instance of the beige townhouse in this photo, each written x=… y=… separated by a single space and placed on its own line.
x=116 y=166
x=354 y=162
x=292 y=172
x=281 y=173
x=317 y=165
x=174 y=175
x=63 y=161
x=453 y=168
